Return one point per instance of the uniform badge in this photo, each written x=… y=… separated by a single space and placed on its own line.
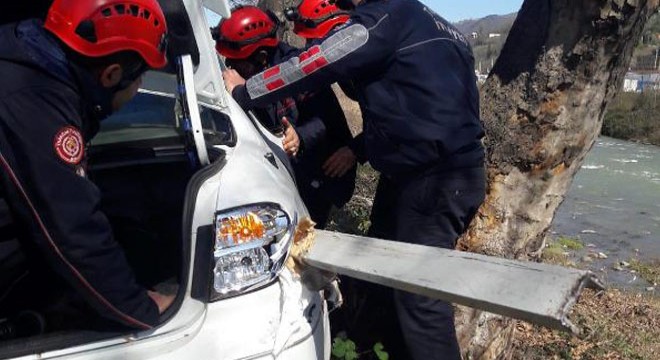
x=69 y=145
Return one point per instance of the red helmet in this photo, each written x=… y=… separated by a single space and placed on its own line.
x=314 y=19
x=248 y=29
x=96 y=28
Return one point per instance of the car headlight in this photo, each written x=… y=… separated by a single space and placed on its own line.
x=251 y=246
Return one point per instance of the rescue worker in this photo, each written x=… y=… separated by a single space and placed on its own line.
x=60 y=78
x=313 y=122
x=313 y=20
x=414 y=76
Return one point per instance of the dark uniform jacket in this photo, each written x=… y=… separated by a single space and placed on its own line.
x=414 y=79
x=49 y=110
x=322 y=128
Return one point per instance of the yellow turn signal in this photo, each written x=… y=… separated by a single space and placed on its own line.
x=240 y=229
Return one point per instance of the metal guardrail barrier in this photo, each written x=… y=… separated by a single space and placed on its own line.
x=539 y=293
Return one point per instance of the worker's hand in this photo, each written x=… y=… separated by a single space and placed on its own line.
x=291 y=141
x=163 y=301
x=340 y=162
x=232 y=79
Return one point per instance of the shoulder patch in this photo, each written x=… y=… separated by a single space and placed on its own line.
x=334 y=48
x=69 y=145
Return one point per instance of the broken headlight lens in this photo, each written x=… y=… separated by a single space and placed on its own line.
x=251 y=246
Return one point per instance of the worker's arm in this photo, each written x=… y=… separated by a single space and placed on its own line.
x=311 y=132
x=362 y=47
x=42 y=167
x=323 y=108
x=311 y=125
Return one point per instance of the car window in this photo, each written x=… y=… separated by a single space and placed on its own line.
x=160 y=82
x=149 y=115
x=152 y=115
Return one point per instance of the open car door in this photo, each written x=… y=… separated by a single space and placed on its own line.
x=199 y=74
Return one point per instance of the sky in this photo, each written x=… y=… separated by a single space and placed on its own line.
x=455 y=10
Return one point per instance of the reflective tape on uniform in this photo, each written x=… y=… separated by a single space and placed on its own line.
x=333 y=49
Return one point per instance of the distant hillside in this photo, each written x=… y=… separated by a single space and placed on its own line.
x=487 y=25
x=646 y=53
x=486 y=48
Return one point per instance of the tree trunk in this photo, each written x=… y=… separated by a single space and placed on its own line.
x=542 y=108
x=278 y=6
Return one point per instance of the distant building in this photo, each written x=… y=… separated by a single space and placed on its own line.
x=634 y=82
x=481 y=78
x=494 y=35
x=475 y=35
x=630 y=83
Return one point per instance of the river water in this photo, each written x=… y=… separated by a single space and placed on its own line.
x=613 y=207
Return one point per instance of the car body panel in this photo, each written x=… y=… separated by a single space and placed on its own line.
x=281 y=321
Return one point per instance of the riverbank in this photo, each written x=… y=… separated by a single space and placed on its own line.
x=616 y=324
x=634 y=117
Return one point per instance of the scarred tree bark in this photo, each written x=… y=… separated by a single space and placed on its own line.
x=542 y=108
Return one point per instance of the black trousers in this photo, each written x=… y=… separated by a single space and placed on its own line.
x=317 y=205
x=432 y=208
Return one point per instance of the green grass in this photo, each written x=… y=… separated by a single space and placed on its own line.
x=648 y=271
x=557 y=251
x=570 y=243
x=554 y=253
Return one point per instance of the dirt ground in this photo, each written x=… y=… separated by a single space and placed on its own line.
x=615 y=325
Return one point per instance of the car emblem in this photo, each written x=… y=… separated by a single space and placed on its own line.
x=271 y=158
